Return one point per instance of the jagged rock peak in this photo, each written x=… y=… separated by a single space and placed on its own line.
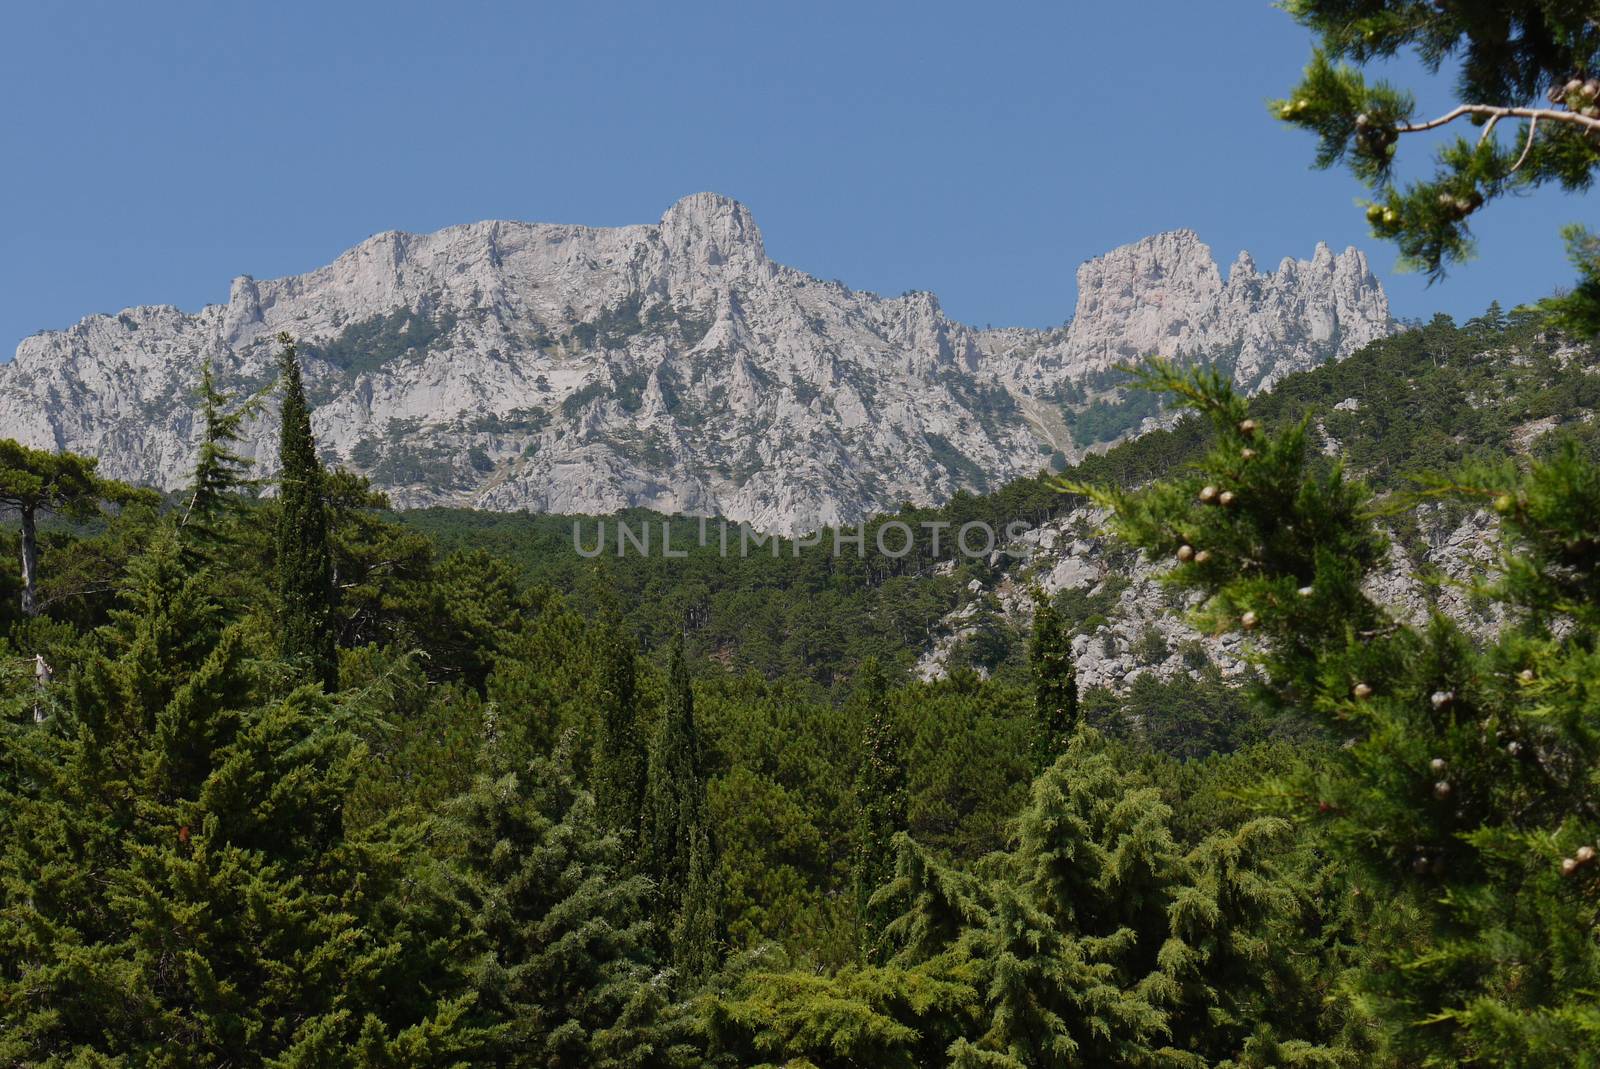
x=668 y=365
x=710 y=227
x=1164 y=296
x=1144 y=297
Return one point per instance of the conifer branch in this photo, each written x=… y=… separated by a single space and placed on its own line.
x=1497 y=113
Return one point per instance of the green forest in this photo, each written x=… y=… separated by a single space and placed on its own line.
x=290 y=779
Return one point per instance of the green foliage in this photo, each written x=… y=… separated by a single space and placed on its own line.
x=218 y=470
x=994 y=406
x=678 y=852
x=1427 y=398
x=1533 y=61
x=1055 y=683
x=305 y=565
x=880 y=800
x=1106 y=421
x=175 y=864
x=372 y=344
x=1189 y=716
x=1578 y=311
x=620 y=765
x=420 y=736
x=944 y=453
x=460 y=851
x=564 y=955
x=864 y=1015
x=1095 y=940
x=34 y=481
x=1468 y=770
x=969 y=763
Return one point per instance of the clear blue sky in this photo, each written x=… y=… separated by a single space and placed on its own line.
x=153 y=151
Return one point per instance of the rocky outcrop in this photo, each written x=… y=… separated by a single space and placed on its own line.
x=1165 y=296
x=509 y=365
x=1129 y=624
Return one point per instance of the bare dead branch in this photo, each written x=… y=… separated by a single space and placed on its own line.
x=1488 y=131
x=1569 y=117
x=1533 y=126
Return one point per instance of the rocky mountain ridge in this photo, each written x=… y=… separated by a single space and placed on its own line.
x=508 y=365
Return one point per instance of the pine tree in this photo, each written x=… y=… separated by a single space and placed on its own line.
x=545 y=674
x=1528 y=68
x=1055 y=683
x=620 y=765
x=305 y=562
x=1463 y=796
x=881 y=799
x=218 y=470
x=34 y=481
x=676 y=826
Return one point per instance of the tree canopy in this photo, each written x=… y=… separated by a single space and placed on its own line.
x=1529 y=69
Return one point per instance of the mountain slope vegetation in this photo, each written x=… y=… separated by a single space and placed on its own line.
x=1162 y=877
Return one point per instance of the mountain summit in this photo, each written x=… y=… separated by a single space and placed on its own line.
x=510 y=365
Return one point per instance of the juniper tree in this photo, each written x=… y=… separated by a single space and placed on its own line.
x=675 y=828
x=1463 y=796
x=175 y=867
x=305 y=562
x=1055 y=683
x=1532 y=63
x=563 y=954
x=881 y=800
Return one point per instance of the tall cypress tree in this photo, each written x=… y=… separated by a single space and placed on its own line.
x=881 y=798
x=305 y=562
x=620 y=772
x=1055 y=683
x=676 y=827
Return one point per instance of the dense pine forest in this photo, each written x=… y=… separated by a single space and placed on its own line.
x=290 y=779
x=293 y=780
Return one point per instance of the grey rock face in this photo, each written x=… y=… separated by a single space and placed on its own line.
x=1165 y=296
x=1137 y=626
x=509 y=365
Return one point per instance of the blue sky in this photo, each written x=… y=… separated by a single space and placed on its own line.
x=153 y=151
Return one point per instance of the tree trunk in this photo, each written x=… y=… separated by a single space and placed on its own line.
x=30 y=563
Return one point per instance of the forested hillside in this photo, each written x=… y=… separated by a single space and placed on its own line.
x=295 y=780
x=1427 y=399
x=1267 y=737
